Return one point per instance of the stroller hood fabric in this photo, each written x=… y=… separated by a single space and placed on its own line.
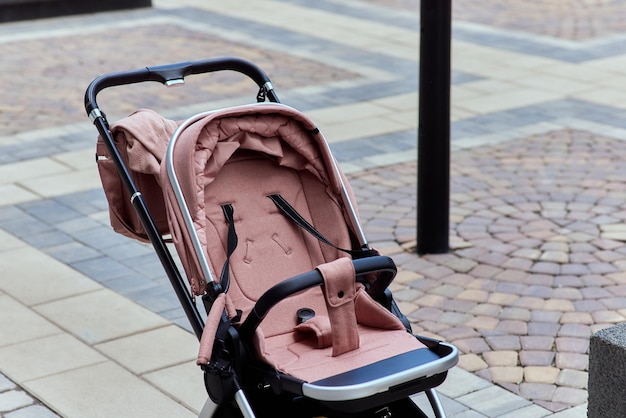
x=202 y=149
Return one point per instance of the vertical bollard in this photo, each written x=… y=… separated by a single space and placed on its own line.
x=433 y=166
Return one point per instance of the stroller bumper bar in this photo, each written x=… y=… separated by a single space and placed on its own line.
x=174 y=74
x=300 y=283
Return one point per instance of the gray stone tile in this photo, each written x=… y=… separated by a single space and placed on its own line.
x=72 y=252
x=128 y=250
x=493 y=401
x=25 y=225
x=128 y=285
x=33 y=411
x=146 y=264
x=14 y=399
x=451 y=406
x=86 y=202
x=157 y=299
x=49 y=211
x=78 y=224
x=102 y=268
x=6 y=384
x=100 y=237
x=48 y=239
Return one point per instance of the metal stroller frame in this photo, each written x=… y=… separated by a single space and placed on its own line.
x=174 y=74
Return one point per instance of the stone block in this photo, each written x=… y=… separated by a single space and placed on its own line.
x=607 y=368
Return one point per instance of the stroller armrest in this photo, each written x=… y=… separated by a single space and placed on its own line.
x=305 y=281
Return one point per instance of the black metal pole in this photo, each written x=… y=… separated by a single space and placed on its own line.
x=433 y=167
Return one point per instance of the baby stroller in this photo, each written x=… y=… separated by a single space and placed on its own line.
x=300 y=319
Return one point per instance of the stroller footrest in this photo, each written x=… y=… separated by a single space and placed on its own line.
x=383 y=375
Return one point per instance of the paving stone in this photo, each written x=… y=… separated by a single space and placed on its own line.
x=34 y=411
x=573 y=378
x=570 y=396
x=588 y=306
x=486 y=309
x=553 y=406
x=541 y=374
x=574 y=361
x=437 y=272
x=500 y=358
x=561 y=305
x=504 y=342
x=427 y=314
x=493 y=401
x=484 y=270
x=513 y=327
x=540 y=291
x=502 y=299
x=546 y=267
x=472 y=345
x=529 y=302
x=14 y=399
x=509 y=287
x=602 y=268
x=549 y=329
x=575 y=330
x=6 y=384
x=508 y=275
x=458 y=306
x=572 y=345
x=459 y=279
x=536 y=358
x=483 y=323
x=576 y=318
x=607 y=316
x=530 y=411
x=471 y=362
x=533 y=342
x=574 y=269
x=567 y=293
x=432 y=301
x=474 y=295
x=537 y=391
x=507 y=374
x=446 y=290
x=523 y=264
x=554 y=256
x=517 y=314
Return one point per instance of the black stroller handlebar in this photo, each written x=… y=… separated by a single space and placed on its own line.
x=173 y=74
x=305 y=281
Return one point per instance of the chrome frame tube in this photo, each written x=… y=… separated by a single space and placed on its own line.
x=180 y=198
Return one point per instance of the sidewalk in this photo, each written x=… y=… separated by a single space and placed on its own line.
x=88 y=324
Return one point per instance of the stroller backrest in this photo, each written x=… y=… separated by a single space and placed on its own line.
x=240 y=157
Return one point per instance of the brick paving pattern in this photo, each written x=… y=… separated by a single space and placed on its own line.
x=53 y=84
x=566 y=19
x=537 y=264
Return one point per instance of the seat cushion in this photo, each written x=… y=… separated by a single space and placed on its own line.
x=300 y=355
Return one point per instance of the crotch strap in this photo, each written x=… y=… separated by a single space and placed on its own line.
x=339 y=292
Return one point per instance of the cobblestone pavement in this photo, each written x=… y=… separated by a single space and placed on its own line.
x=565 y=19
x=537 y=264
x=537 y=204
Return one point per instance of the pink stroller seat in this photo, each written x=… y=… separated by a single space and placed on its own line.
x=243 y=158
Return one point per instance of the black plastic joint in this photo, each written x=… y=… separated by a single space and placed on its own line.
x=213 y=290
